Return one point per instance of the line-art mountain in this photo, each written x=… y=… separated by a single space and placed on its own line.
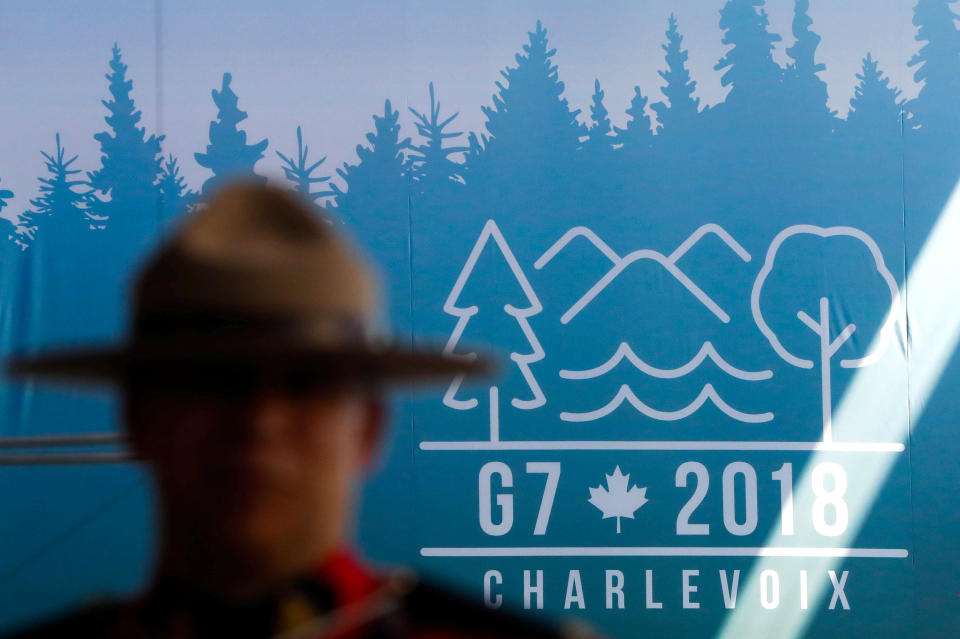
x=569 y=236
x=621 y=263
x=707 y=351
x=707 y=393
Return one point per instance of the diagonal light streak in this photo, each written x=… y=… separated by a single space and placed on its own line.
x=877 y=395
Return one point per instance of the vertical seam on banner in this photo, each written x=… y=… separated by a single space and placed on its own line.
x=158 y=91
x=907 y=341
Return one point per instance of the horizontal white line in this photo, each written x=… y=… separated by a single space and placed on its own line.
x=62 y=439
x=663 y=551
x=857 y=447
x=47 y=459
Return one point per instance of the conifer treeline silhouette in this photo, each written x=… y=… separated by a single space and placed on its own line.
x=530 y=122
x=535 y=162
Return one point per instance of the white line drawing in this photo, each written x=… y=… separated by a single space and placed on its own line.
x=708 y=392
x=664 y=551
x=692 y=445
x=617 y=500
x=569 y=236
x=668 y=262
x=717 y=230
x=659 y=258
x=680 y=251
x=521 y=315
x=707 y=351
x=821 y=326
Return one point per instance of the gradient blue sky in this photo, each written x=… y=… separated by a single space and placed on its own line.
x=330 y=65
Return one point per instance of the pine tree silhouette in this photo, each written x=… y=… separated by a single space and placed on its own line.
x=71 y=262
x=228 y=155
x=599 y=135
x=381 y=170
x=7 y=228
x=60 y=208
x=638 y=134
x=676 y=116
x=9 y=258
x=175 y=196
x=5 y=194
x=433 y=162
x=531 y=127
x=749 y=68
x=376 y=204
x=301 y=174
x=807 y=93
x=130 y=164
x=938 y=68
x=875 y=107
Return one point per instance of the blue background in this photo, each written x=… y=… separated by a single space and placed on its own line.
x=568 y=114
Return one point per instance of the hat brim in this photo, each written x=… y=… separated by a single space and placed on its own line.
x=364 y=364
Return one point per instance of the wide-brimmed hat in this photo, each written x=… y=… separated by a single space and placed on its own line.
x=256 y=278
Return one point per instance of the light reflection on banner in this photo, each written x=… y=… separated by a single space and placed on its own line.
x=932 y=295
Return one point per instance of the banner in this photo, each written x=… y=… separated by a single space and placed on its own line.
x=712 y=246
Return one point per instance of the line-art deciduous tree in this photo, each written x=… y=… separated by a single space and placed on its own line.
x=830 y=337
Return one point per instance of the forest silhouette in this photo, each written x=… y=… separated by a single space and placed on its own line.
x=771 y=154
x=771 y=151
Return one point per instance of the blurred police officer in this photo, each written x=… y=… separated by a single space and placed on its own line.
x=251 y=386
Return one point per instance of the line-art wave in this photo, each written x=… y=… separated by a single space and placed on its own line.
x=708 y=392
x=706 y=351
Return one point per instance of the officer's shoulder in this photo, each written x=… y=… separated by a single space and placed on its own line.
x=429 y=606
x=99 y=619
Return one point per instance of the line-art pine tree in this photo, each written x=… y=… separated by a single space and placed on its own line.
x=748 y=67
x=807 y=93
x=530 y=125
x=228 y=155
x=60 y=208
x=937 y=68
x=876 y=106
x=637 y=136
x=432 y=160
x=676 y=116
x=517 y=315
x=123 y=194
x=300 y=172
x=175 y=197
x=599 y=134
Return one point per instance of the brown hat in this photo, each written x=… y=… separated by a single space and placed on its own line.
x=255 y=278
